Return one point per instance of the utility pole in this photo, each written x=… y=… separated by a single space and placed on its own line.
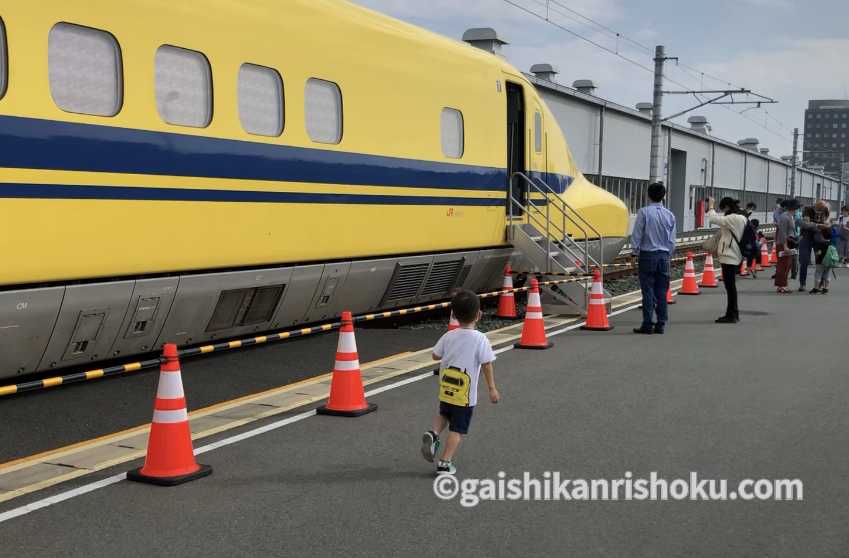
x=793 y=172
x=718 y=97
x=654 y=160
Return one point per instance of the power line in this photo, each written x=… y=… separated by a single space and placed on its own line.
x=602 y=26
x=683 y=67
x=578 y=35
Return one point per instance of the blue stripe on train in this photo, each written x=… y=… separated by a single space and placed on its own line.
x=54 y=145
x=65 y=191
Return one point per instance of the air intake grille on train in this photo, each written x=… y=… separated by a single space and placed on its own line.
x=442 y=277
x=406 y=282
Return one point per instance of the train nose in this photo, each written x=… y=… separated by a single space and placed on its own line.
x=607 y=216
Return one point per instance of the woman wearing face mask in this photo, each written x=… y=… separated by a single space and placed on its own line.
x=731 y=224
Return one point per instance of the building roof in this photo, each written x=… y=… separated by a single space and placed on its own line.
x=633 y=113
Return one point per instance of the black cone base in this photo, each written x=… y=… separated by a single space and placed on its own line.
x=370 y=407
x=137 y=476
x=534 y=347
x=590 y=328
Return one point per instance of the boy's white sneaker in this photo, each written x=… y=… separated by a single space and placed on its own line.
x=445 y=468
x=430 y=445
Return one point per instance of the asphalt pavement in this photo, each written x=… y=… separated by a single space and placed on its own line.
x=762 y=399
x=56 y=417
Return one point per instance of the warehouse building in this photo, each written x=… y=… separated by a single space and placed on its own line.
x=610 y=144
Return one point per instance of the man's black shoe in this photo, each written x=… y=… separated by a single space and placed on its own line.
x=659 y=329
x=727 y=320
x=643 y=330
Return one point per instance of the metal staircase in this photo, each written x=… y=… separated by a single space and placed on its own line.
x=538 y=229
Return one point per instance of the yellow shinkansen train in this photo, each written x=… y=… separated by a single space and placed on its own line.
x=195 y=170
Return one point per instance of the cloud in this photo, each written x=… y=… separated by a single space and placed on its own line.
x=798 y=71
x=771 y=4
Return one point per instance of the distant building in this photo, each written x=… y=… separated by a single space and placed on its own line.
x=826 y=131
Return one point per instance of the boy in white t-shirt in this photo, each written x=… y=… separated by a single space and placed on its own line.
x=464 y=352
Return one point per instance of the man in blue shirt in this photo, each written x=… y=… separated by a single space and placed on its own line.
x=653 y=241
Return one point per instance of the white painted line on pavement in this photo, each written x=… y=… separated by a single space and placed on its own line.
x=404 y=382
x=61 y=497
x=91 y=487
x=254 y=432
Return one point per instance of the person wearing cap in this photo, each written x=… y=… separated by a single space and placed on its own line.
x=786 y=243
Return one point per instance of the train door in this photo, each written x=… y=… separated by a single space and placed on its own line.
x=515 y=144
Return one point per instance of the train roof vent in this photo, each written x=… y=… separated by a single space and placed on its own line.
x=544 y=71
x=484 y=38
x=443 y=276
x=645 y=108
x=586 y=86
x=750 y=144
x=406 y=281
x=699 y=123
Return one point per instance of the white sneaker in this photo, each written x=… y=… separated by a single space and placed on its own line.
x=430 y=445
x=445 y=468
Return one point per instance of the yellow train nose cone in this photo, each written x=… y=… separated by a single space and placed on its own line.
x=607 y=214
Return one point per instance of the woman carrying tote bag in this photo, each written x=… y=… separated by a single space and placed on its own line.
x=731 y=225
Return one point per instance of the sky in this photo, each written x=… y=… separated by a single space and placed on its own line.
x=788 y=50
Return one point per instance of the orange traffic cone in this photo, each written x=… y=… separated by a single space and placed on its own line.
x=347 y=398
x=506 y=300
x=597 y=308
x=669 y=298
x=709 y=274
x=744 y=270
x=689 y=286
x=773 y=256
x=170 y=457
x=533 y=330
x=453 y=323
x=765 y=263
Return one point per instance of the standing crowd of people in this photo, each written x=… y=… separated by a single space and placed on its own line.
x=803 y=235
x=806 y=235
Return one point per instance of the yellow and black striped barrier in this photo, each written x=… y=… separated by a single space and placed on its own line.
x=118 y=370
x=612 y=267
x=78 y=377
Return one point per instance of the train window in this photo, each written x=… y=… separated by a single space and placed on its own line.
x=323 y=108
x=537 y=132
x=84 y=68
x=452 y=133
x=183 y=87
x=3 y=63
x=260 y=100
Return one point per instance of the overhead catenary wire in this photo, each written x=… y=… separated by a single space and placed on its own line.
x=578 y=35
x=547 y=4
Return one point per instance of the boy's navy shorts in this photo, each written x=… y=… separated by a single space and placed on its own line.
x=458 y=417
